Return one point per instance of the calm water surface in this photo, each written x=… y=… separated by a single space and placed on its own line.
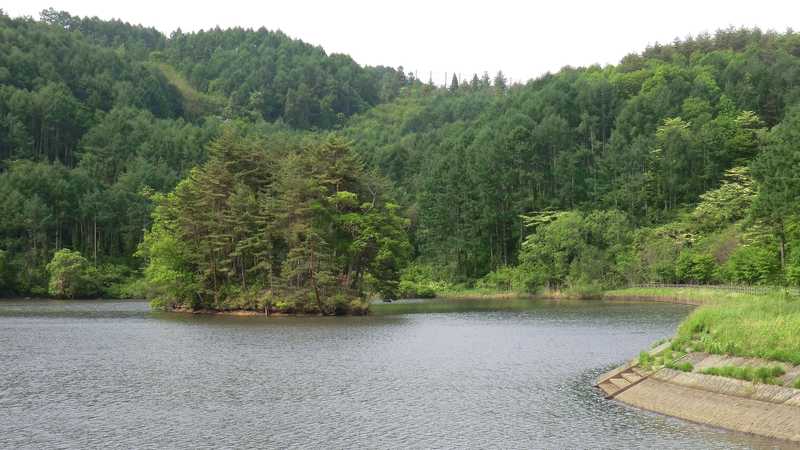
x=507 y=374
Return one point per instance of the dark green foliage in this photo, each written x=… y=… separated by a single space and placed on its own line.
x=752 y=264
x=573 y=249
x=694 y=268
x=647 y=162
x=274 y=76
x=275 y=225
x=647 y=138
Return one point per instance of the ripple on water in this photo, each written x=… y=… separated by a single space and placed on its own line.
x=511 y=375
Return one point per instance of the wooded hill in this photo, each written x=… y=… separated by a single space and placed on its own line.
x=677 y=164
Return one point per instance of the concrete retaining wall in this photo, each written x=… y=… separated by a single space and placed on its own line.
x=772 y=411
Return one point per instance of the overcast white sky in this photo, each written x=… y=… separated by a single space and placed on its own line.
x=524 y=39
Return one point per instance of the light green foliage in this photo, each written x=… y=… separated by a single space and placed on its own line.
x=645 y=360
x=511 y=279
x=419 y=280
x=727 y=203
x=71 y=275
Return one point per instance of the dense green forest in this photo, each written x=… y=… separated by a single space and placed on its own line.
x=246 y=169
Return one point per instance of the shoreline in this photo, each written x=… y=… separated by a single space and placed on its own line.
x=767 y=410
x=458 y=296
x=736 y=405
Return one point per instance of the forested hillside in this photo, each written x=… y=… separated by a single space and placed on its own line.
x=634 y=145
x=677 y=164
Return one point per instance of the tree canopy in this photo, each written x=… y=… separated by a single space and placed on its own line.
x=115 y=137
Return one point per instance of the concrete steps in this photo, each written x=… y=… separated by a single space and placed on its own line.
x=608 y=388
x=632 y=377
x=622 y=381
x=626 y=376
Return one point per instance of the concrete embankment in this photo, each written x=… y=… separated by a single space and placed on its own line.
x=762 y=409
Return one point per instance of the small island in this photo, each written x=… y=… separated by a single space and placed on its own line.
x=275 y=225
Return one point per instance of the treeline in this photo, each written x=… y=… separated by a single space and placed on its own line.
x=677 y=164
x=94 y=117
x=86 y=127
x=642 y=140
x=269 y=75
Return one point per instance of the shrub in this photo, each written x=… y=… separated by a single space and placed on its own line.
x=71 y=275
x=421 y=281
x=751 y=264
x=410 y=289
x=522 y=278
x=358 y=307
x=693 y=267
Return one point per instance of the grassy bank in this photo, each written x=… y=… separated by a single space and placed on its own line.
x=697 y=295
x=461 y=293
x=480 y=294
x=740 y=324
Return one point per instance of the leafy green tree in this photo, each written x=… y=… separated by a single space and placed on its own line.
x=70 y=275
x=728 y=203
x=778 y=180
x=694 y=268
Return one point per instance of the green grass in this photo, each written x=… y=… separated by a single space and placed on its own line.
x=735 y=323
x=667 y=358
x=645 y=360
x=700 y=295
x=797 y=383
x=683 y=367
x=762 y=326
x=763 y=374
x=479 y=293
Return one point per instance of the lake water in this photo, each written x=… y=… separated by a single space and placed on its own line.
x=490 y=374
